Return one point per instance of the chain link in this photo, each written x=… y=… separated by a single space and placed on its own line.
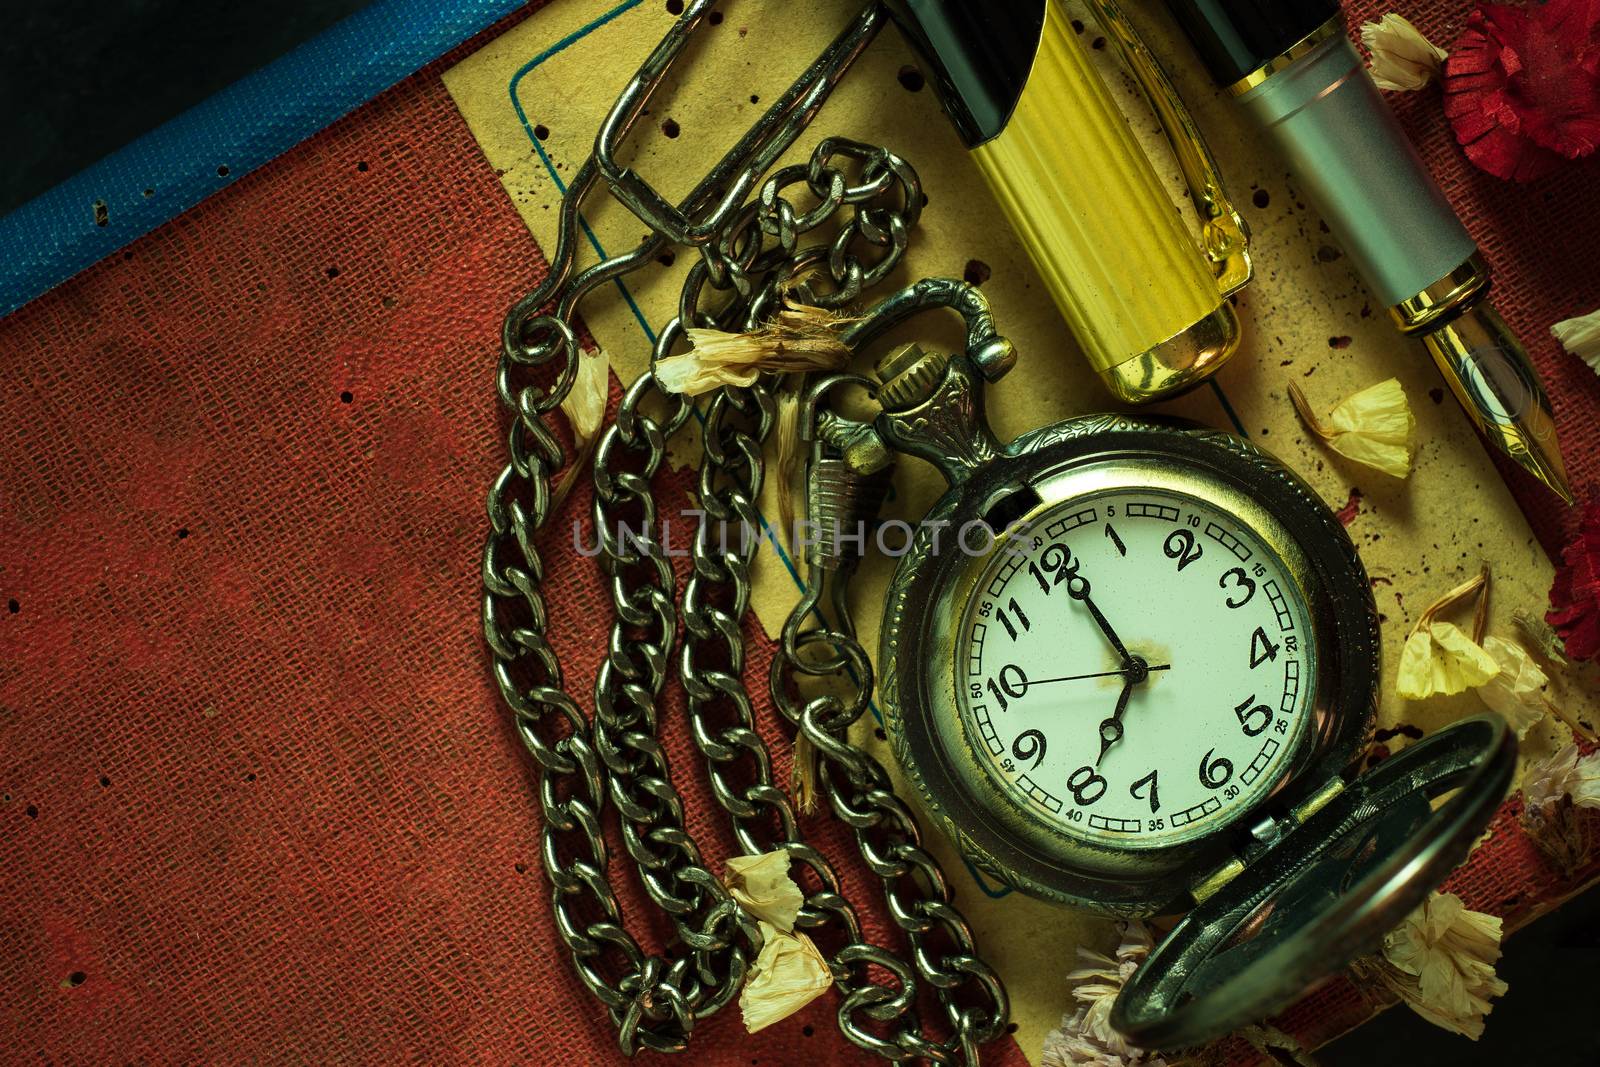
x=821 y=682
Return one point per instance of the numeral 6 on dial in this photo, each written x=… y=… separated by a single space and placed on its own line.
x=1214 y=773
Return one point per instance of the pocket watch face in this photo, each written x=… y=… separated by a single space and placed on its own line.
x=1134 y=667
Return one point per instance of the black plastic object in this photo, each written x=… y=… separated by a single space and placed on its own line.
x=1234 y=37
x=980 y=55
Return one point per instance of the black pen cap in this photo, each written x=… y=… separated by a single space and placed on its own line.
x=979 y=54
x=1236 y=37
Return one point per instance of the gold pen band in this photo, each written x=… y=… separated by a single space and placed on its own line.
x=1459 y=289
x=1332 y=28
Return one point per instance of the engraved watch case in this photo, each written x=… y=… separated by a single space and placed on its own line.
x=933 y=408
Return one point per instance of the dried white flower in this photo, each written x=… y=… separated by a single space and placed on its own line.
x=1402 y=59
x=1517 y=692
x=585 y=404
x=788 y=974
x=1541 y=639
x=1581 y=337
x=1085 y=1037
x=799 y=338
x=1441 y=963
x=762 y=887
x=1565 y=774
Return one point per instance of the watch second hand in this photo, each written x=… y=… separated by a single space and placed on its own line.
x=1101 y=674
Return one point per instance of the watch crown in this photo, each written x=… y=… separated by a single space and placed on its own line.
x=910 y=376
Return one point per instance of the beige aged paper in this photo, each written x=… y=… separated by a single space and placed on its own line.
x=534 y=97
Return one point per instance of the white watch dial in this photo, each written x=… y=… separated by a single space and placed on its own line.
x=1214 y=696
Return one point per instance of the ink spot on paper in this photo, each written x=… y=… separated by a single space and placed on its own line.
x=670 y=127
x=1261 y=198
x=1339 y=342
x=674 y=7
x=542 y=132
x=1352 y=508
x=977 y=272
x=911 y=78
x=715 y=18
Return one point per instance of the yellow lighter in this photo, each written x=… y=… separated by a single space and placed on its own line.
x=1146 y=300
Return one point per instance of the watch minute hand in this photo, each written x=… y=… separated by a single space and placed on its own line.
x=1078 y=589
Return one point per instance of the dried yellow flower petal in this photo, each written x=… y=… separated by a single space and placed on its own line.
x=788 y=974
x=1441 y=961
x=1517 y=691
x=1565 y=774
x=803 y=774
x=1372 y=427
x=585 y=408
x=1439 y=660
x=762 y=887
x=1581 y=337
x=799 y=338
x=1402 y=59
x=786 y=432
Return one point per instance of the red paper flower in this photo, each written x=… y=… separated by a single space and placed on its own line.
x=1522 y=86
x=1575 y=596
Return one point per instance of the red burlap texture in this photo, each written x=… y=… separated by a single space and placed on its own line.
x=260 y=799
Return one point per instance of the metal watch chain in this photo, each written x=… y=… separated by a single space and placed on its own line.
x=822 y=679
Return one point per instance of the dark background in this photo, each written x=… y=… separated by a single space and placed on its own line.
x=80 y=79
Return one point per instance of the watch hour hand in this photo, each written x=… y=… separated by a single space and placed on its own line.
x=1111 y=729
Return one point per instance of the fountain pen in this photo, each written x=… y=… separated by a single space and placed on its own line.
x=1294 y=72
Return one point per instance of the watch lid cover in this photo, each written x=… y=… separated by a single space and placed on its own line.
x=1323 y=894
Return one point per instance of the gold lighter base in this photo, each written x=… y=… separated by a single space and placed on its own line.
x=1177 y=364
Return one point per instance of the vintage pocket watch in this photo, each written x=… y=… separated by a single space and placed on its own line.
x=1129 y=665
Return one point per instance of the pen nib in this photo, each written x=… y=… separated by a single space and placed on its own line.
x=1490 y=374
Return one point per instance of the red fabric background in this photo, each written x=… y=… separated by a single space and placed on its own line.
x=259 y=799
